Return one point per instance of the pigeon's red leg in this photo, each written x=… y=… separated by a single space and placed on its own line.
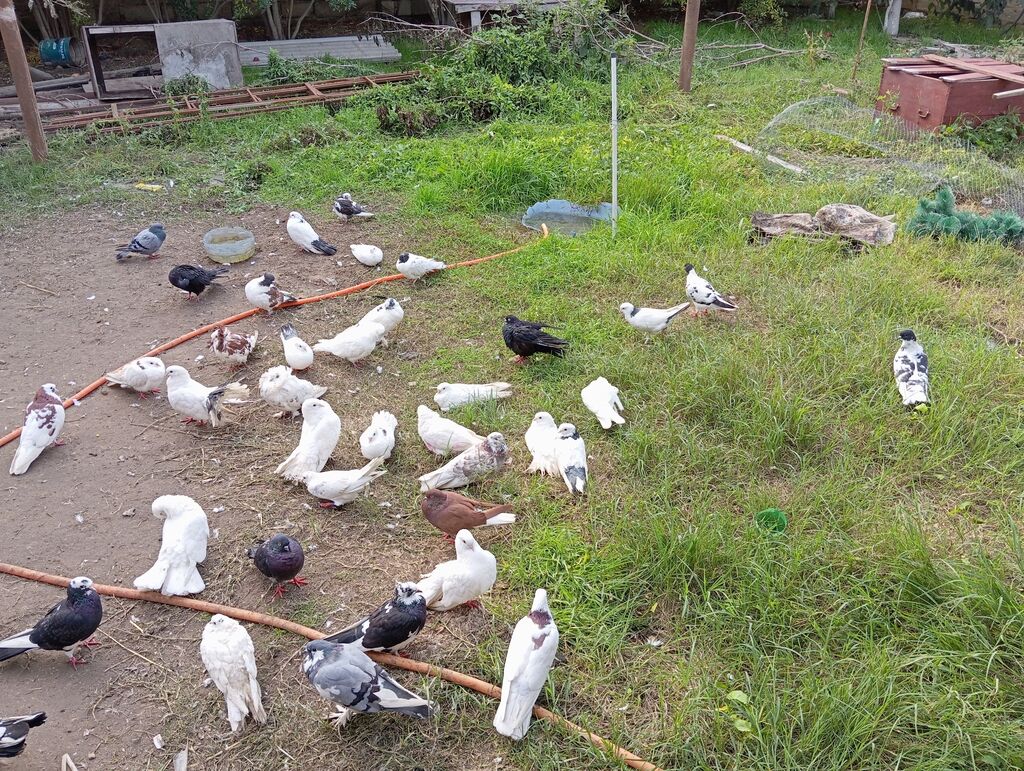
x=519 y=361
x=279 y=591
x=475 y=604
x=75 y=661
x=59 y=442
x=153 y=256
x=327 y=505
x=447 y=538
x=403 y=654
x=92 y=642
x=143 y=395
x=300 y=581
x=154 y=391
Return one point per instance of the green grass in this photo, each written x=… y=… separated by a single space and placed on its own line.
x=884 y=629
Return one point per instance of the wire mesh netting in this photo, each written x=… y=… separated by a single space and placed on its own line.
x=834 y=140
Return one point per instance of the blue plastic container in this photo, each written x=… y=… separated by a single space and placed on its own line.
x=56 y=51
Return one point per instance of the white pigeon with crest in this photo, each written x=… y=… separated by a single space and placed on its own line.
x=378 y=440
x=388 y=314
x=368 y=254
x=415 y=266
x=540 y=439
x=144 y=375
x=443 y=436
x=452 y=395
x=233 y=346
x=199 y=403
x=572 y=458
x=531 y=652
x=462 y=580
x=321 y=428
x=302 y=233
x=355 y=343
x=230 y=659
x=490 y=456
x=263 y=292
x=44 y=419
x=602 y=398
x=182 y=547
x=653 y=320
x=297 y=353
x=280 y=388
x=704 y=296
x=336 y=488
x=910 y=366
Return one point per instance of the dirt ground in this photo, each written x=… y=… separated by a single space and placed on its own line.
x=70 y=313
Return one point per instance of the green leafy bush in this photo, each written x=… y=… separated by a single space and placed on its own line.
x=187 y=85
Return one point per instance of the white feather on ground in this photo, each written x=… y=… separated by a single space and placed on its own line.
x=470 y=575
x=531 y=653
x=230 y=659
x=182 y=548
x=321 y=428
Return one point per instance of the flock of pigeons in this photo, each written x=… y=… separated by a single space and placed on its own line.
x=337 y=666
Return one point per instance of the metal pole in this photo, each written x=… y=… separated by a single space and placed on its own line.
x=615 y=144
x=690 y=22
x=22 y=79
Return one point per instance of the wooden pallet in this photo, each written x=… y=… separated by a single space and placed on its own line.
x=218 y=105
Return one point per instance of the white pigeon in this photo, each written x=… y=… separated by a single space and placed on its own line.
x=368 y=254
x=321 y=428
x=910 y=366
x=280 y=388
x=199 y=403
x=44 y=419
x=443 y=436
x=416 y=267
x=572 y=458
x=233 y=346
x=704 y=296
x=144 y=375
x=470 y=575
x=264 y=293
x=531 y=652
x=230 y=659
x=653 y=320
x=302 y=233
x=378 y=440
x=451 y=395
x=355 y=343
x=490 y=456
x=297 y=353
x=540 y=438
x=182 y=547
x=336 y=488
x=602 y=398
x=388 y=314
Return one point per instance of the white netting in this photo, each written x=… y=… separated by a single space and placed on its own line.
x=833 y=139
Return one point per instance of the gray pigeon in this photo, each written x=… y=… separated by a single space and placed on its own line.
x=349 y=679
x=147 y=242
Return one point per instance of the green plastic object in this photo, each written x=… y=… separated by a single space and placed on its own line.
x=772 y=519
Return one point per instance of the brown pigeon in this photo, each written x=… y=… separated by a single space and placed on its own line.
x=450 y=512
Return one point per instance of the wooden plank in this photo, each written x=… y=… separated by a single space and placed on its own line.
x=979 y=68
x=1008 y=94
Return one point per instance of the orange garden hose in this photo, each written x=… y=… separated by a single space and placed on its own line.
x=98 y=383
x=399 y=662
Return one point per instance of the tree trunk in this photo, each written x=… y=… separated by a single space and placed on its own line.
x=892 y=17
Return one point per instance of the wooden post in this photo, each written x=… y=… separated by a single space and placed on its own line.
x=22 y=79
x=860 y=43
x=690 y=22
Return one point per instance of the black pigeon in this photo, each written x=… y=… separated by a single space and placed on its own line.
x=14 y=732
x=280 y=558
x=69 y=624
x=390 y=627
x=525 y=338
x=193 y=278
